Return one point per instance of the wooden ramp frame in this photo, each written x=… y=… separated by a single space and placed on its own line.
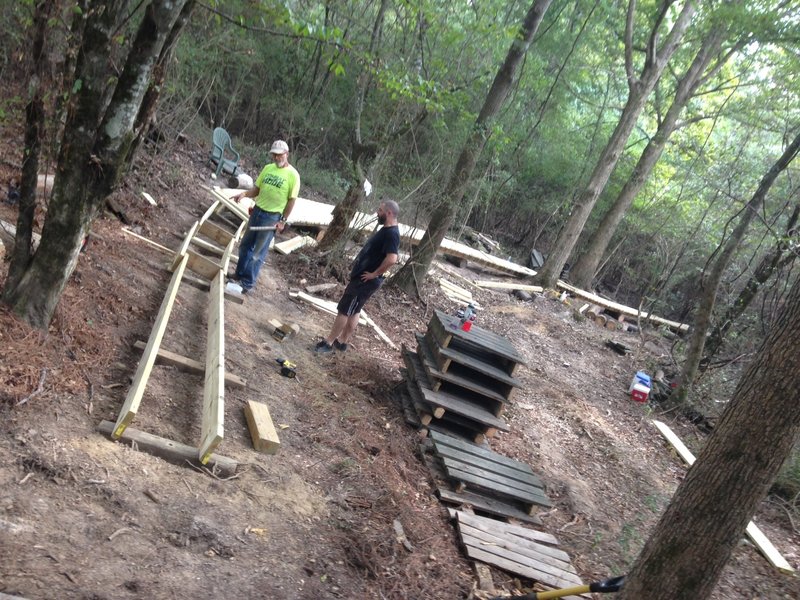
x=136 y=391
x=214 y=369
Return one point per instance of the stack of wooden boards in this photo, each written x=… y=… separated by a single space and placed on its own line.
x=460 y=381
x=455 y=389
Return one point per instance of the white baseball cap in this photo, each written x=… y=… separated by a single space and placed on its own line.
x=279 y=147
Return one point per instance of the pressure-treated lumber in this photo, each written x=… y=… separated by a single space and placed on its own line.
x=189 y=365
x=134 y=397
x=169 y=450
x=227 y=256
x=322 y=304
x=377 y=329
x=289 y=246
x=214 y=391
x=205 y=267
x=262 y=430
x=501 y=285
x=216 y=233
x=594 y=298
x=753 y=532
x=231 y=205
x=184 y=246
x=147 y=241
x=200 y=284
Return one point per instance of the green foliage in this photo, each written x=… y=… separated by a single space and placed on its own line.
x=324 y=181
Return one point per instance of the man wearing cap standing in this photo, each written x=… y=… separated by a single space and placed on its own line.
x=276 y=189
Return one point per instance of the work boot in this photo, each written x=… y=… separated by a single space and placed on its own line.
x=323 y=347
x=340 y=346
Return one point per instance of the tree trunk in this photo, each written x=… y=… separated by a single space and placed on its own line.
x=360 y=154
x=769 y=263
x=687 y=552
x=34 y=129
x=147 y=110
x=343 y=214
x=639 y=90
x=94 y=151
x=582 y=273
x=710 y=283
x=414 y=271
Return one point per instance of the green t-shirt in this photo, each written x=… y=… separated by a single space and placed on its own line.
x=275 y=186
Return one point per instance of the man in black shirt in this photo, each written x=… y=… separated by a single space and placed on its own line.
x=366 y=276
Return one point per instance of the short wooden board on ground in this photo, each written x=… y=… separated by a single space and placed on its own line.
x=183 y=363
x=262 y=430
x=169 y=450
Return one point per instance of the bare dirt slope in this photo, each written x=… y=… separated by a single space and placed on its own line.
x=82 y=517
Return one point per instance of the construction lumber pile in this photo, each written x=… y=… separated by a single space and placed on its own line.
x=455 y=388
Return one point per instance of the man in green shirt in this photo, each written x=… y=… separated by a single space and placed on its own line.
x=276 y=189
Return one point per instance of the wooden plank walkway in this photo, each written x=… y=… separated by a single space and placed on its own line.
x=518 y=550
x=486 y=470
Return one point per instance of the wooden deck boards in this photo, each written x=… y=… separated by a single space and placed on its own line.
x=520 y=551
x=481 y=370
x=449 y=402
x=480 y=337
x=480 y=468
x=462 y=378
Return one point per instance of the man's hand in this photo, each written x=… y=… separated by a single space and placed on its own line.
x=238 y=197
x=280 y=226
x=367 y=276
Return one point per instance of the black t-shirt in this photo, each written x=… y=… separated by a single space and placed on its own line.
x=384 y=241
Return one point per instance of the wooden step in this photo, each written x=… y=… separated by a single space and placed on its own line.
x=461 y=378
x=481 y=370
x=449 y=402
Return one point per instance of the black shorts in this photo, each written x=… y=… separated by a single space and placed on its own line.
x=356 y=295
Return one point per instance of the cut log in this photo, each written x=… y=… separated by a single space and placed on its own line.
x=320 y=287
x=169 y=450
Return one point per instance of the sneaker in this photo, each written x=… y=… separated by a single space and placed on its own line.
x=323 y=347
x=340 y=346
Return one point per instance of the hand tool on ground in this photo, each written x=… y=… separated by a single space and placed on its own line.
x=598 y=587
x=288 y=369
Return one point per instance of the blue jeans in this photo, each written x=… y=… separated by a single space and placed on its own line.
x=254 y=246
